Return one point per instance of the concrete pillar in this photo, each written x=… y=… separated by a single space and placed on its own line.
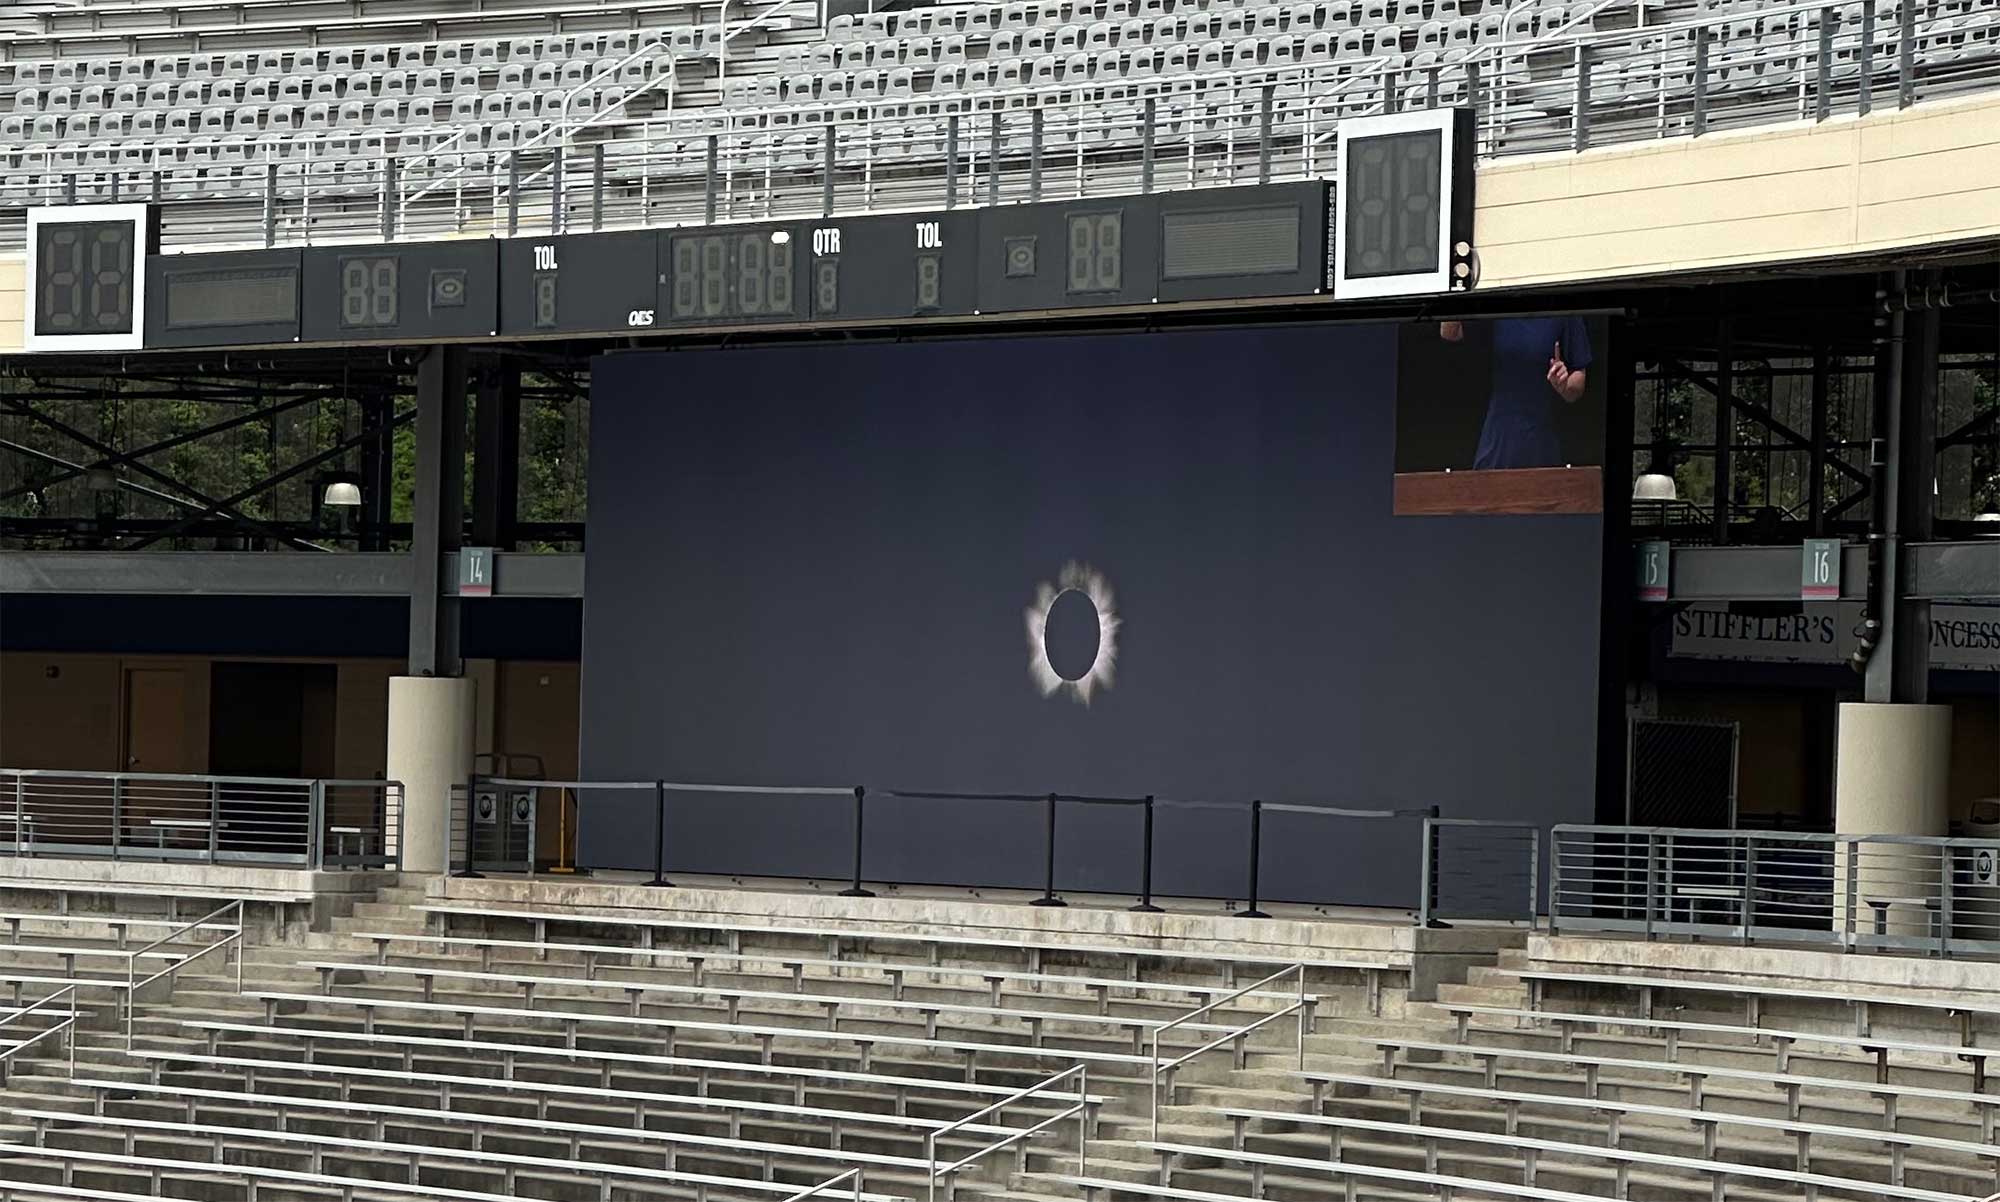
x=1890 y=778
x=431 y=725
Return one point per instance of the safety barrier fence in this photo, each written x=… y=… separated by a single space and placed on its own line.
x=63 y=1028
x=1193 y=126
x=201 y=819
x=1937 y=896
x=1472 y=868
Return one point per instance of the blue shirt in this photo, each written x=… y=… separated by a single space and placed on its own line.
x=1521 y=424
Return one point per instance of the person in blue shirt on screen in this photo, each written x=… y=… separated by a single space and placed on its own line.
x=1536 y=362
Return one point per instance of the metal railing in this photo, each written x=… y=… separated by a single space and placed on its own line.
x=1937 y=896
x=66 y=1026
x=831 y=1186
x=1480 y=868
x=1162 y=1077
x=1472 y=868
x=1559 y=90
x=203 y=819
x=1079 y=1110
x=210 y=921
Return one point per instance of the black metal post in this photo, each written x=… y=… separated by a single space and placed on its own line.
x=659 y=834
x=1906 y=54
x=1146 y=905
x=1865 y=99
x=270 y=204
x=556 y=193
x=513 y=192
x=388 y=198
x=1146 y=136
x=69 y=188
x=1701 y=38
x=1582 y=122
x=1264 y=103
x=597 y=186
x=855 y=890
x=951 y=162
x=993 y=160
x=1048 y=897
x=708 y=181
x=826 y=172
x=1472 y=86
x=471 y=825
x=159 y=184
x=1256 y=855
x=1829 y=21
x=1035 y=156
x=1725 y=431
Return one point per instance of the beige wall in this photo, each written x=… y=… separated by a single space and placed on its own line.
x=59 y=711
x=1923 y=176
x=13 y=301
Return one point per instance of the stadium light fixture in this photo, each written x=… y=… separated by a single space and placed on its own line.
x=343 y=494
x=1655 y=486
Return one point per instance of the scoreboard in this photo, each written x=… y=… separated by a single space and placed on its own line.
x=1395 y=224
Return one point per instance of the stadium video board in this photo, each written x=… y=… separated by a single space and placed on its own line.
x=1107 y=564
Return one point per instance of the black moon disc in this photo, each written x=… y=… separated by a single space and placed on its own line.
x=1070 y=635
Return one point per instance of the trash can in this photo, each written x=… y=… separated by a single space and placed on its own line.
x=1976 y=892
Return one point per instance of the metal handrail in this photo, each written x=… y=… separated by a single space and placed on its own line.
x=828 y=1186
x=1240 y=1033
x=133 y=984
x=1081 y=1111
x=67 y=1024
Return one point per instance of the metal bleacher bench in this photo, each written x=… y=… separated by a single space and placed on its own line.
x=1350 y=1175
x=120 y=925
x=733 y=998
x=381 y=1114
x=1695 y=1076
x=699 y=959
x=347 y=1186
x=1035 y=948
x=1623 y=1159
x=764 y=1034
x=1879 y=1048
x=1754 y=995
x=1706 y=1121
x=794 y=1077
x=729 y=1110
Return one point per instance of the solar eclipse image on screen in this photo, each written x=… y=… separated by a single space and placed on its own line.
x=1073 y=634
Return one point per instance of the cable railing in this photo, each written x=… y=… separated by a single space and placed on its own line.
x=205 y=819
x=1931 y=895
x=1078 y=1110
x=1162 y=1075
x=1187 y=128
x=1472 y=868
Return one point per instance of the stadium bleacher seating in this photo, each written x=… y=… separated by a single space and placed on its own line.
x=494 y=1051
x=216 y=104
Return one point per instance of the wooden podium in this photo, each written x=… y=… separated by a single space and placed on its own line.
x=1502 y=490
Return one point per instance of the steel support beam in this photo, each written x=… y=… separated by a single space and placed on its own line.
x=1899 y=669
x=496 y=455
x=438 y=511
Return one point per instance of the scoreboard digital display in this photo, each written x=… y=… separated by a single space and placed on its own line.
x=722 y=274
x=1404 y=193
x=86 y=274
x=234 y=298
x=1391 y=226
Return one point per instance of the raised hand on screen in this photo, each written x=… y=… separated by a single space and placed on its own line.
x=1567 y=384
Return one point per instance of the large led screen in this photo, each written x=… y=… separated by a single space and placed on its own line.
x=1117 y=565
